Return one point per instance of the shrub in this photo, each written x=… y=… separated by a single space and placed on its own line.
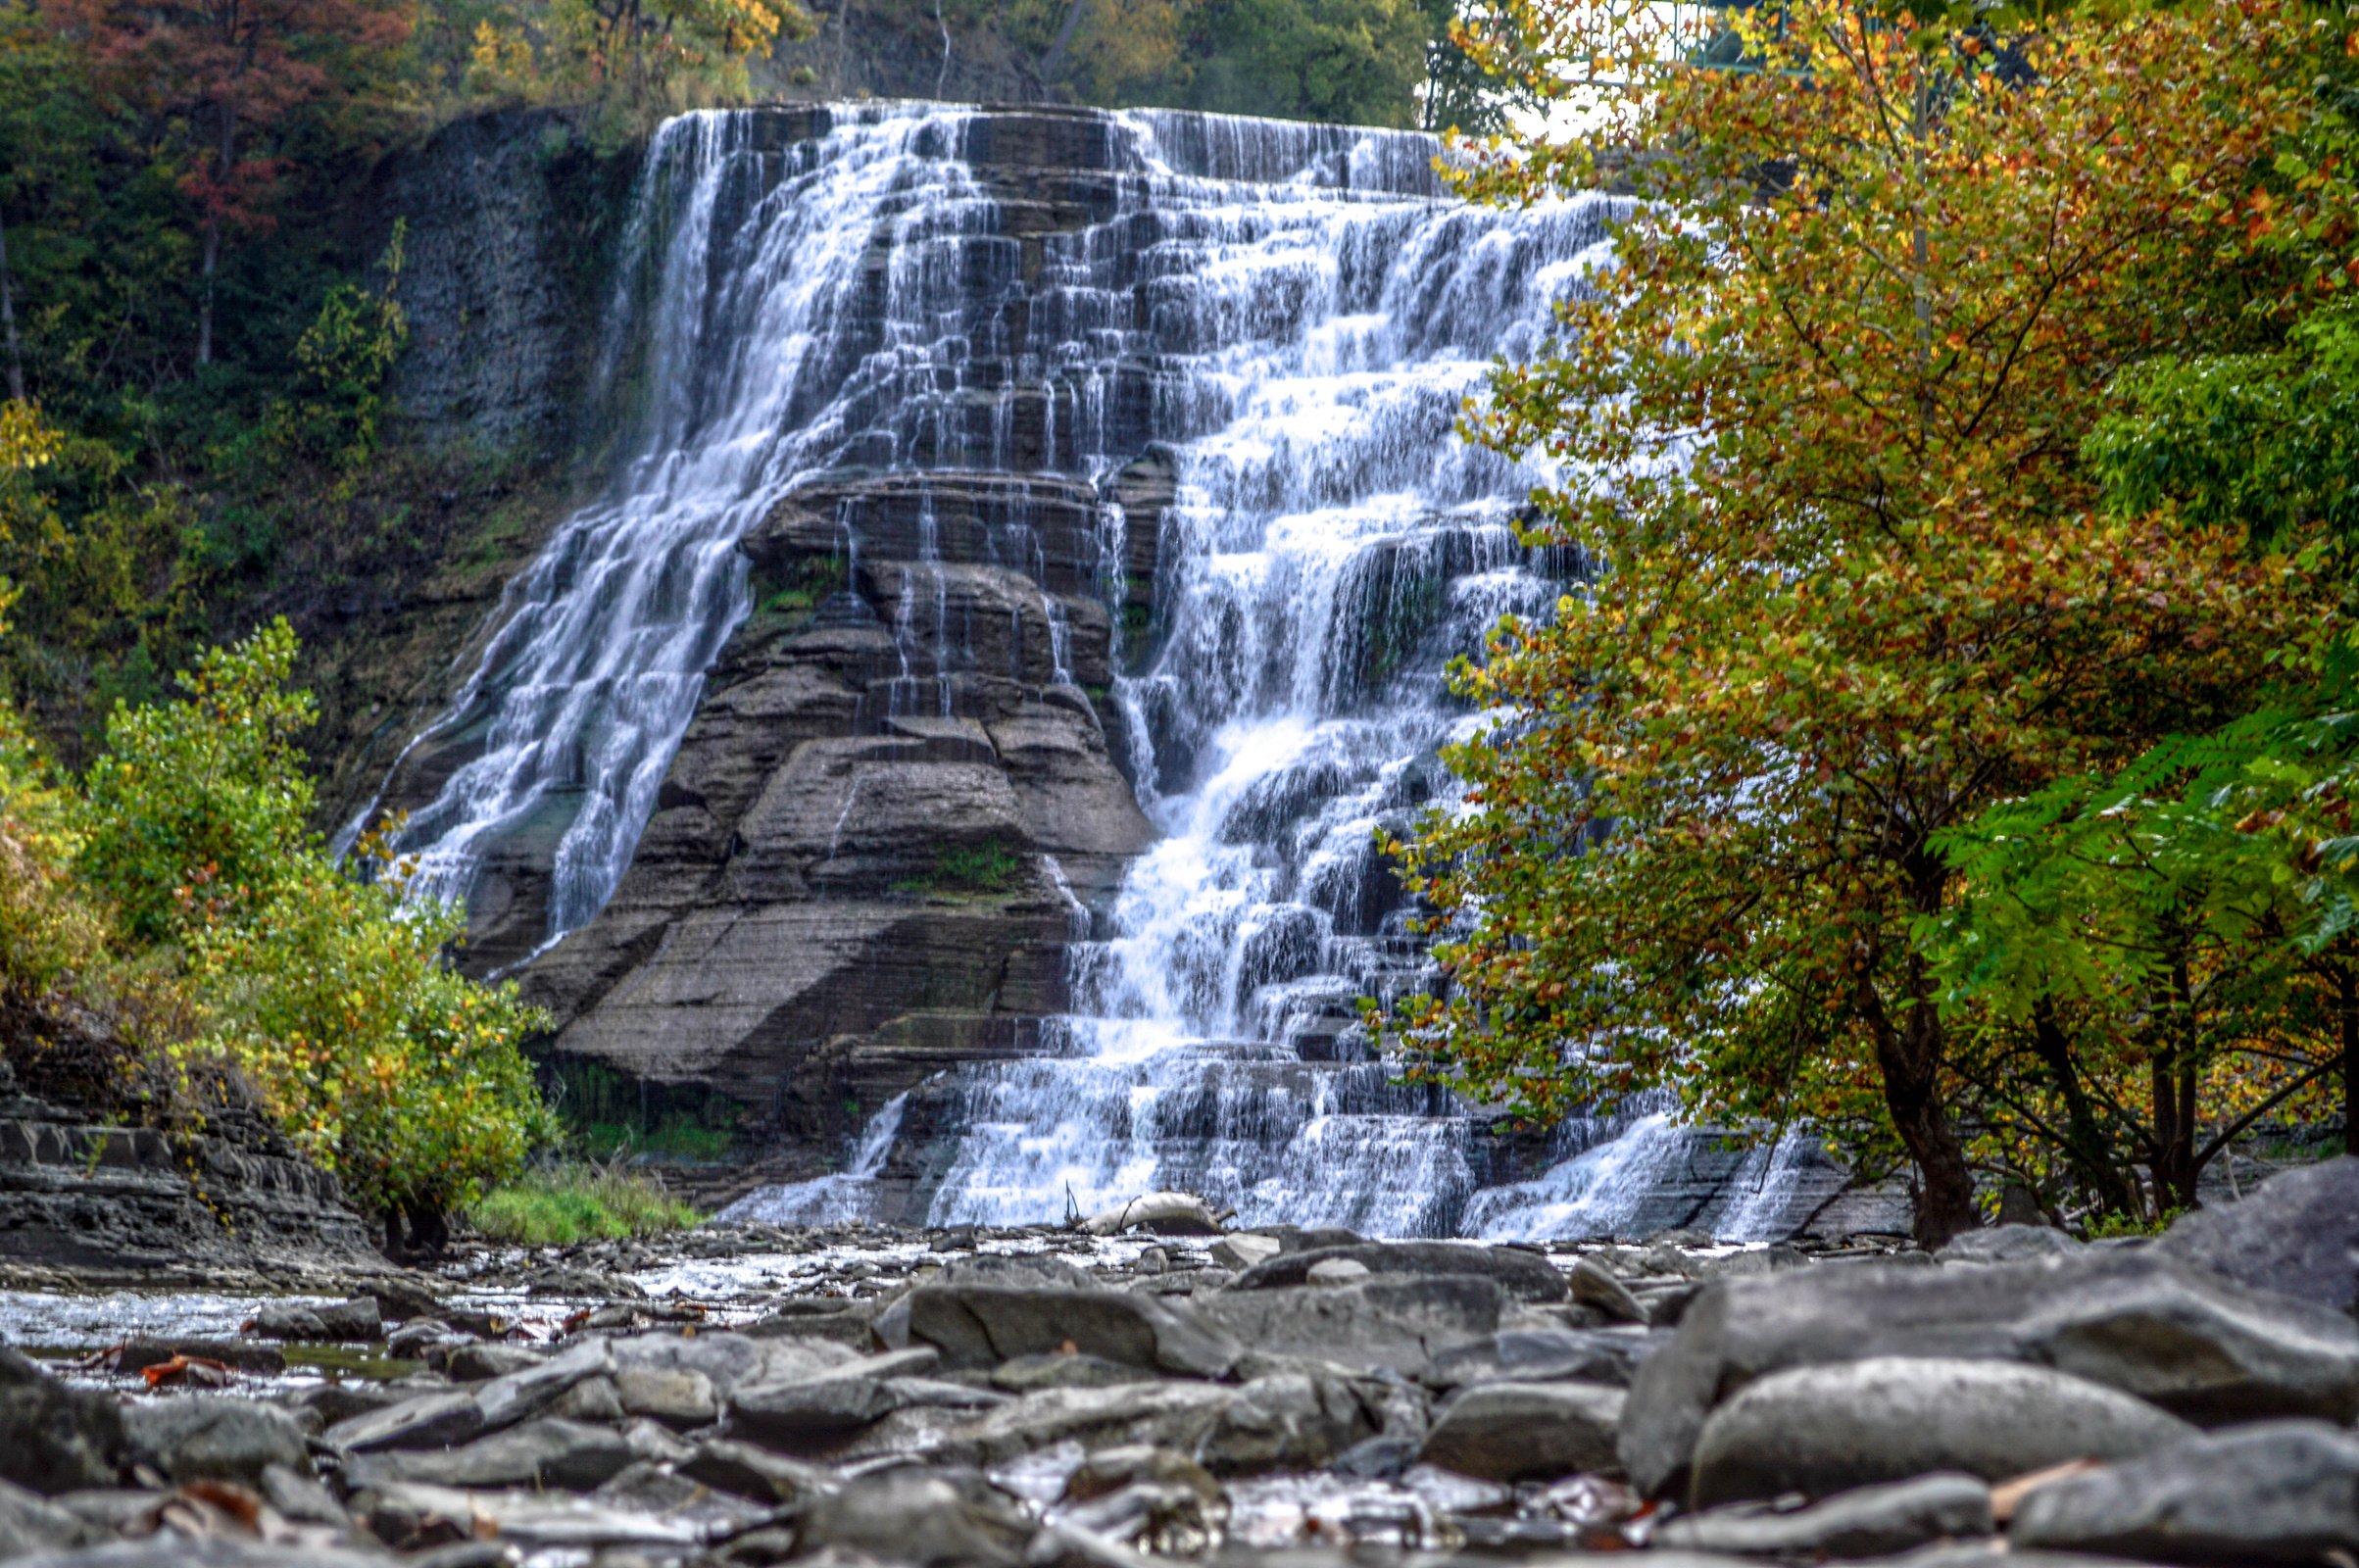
x=555 y=1205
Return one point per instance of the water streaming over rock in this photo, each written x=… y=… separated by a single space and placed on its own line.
x=1288 y=320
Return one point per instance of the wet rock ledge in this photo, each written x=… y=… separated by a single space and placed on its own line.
x=88 y=1199
x=1042 y=1398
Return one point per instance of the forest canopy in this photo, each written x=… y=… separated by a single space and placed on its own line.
x=1951 y=751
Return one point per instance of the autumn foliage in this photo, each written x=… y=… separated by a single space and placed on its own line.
x=1821 y=426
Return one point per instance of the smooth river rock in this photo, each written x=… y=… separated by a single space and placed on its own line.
x=1526 y=1431
x=1819 y=1430
x=2182 y=1339
x=2276 y=1491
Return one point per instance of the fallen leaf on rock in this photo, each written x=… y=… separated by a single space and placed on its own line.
x=195 y=1370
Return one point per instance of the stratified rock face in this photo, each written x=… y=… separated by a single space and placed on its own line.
x=140 y=1205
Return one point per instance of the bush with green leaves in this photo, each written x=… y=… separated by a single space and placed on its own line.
x=326 y=988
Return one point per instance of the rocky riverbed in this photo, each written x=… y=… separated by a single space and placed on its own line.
x=1047 y=1398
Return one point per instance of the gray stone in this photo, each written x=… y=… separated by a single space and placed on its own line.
x=2007 y=1243
x=826 y=1405
x=1337 y=1271
x=2276 y=1491
x=169 y=1549
x=1027 y=1373
x=2184 y=1339
x=1171 y=1415
x=1541 y=1355
x=138 y=1356
x=925 y=1519
x=299 y=1495
x=1525 y=1431
x=201 y=1437
x=2298 y=1235
x=54 y=1438
x=1819 y=1430
x=749 y=1471
x=1865 y=1522
x=29 y=1524
x=533 y=1521
x=567 y=1455
x=1592 y=1284
x=592 y=1400
x=722 y=1360
x=357 y=1319
x=1521 y=1275
x=1291 y=1421
x=979 y=1326
x=510 y=1399
x=424 y=1421
x=1243 y=1249
x=1398 y=1324
x=681 y=1400
x=475 y=1360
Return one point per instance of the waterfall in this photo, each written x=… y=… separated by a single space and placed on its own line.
x=1287 y=319
x=740 y=259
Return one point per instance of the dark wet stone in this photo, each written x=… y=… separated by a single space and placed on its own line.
x=1291 y=1421
x=201 y=1437
x=2276 y=1491
x=567 y=1456
x=1865 y=1522
x=929 y=1519
x=1521 y=1275
x=2298 y=1234
x=1525 y=1431
x=54 y=1438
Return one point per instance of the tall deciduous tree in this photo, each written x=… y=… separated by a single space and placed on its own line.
x=1820 y=425
x=224 y=76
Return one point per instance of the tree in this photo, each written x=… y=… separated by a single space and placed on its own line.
x=1351 y=62
x=1820 y=427
x=223 y=77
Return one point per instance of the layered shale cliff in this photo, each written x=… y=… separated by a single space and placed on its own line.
x=943 y=761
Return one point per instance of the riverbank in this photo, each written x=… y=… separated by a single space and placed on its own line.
x=853 y=1394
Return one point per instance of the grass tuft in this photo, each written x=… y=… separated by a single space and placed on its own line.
x=557 y=1206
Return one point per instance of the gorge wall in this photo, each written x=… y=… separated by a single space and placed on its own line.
x=946 y=752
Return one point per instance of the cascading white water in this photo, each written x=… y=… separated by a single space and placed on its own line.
x=742 y=272
x=1293 y=316
x=1332 y=542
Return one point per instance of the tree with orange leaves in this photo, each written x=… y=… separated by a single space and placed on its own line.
x=222 y=79
x=1821 y=425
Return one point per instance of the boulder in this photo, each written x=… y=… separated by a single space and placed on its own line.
x=2007 y=1243
x=358 y=1319
x=1244 y=1249
x=979 y=1326
x=1027 y=1373
x=28 y=1523
x=1397 y=1324
x=2298 y=1234
x=722 y=1360
x=138 y=1356
x=728 y=1465
x=1541 y=1355
x=547 y=1453
x=592 y=1400
x=928 y=1519
x=1288 y=1421
x=1172 y=1415
x=1521 y=1275
x=54 y=1438
x=2276 y=1491
x=505 y=1401
x=677 y=1399
x=201 y=1437
x=1819 y=1430
x=476 y=1360
x=424 y=1421
x=1592 y=1284
x=1525 y=1431
x=2184 y=1339
x=1865 y=1522
x=814 y=1411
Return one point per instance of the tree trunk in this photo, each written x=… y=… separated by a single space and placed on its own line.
x=2174 y=1090
x=1909 y=1061
x=2346 y=1017
x=1052 y=65
x=8 y=321
x=2087 y=1147
x=225 y=159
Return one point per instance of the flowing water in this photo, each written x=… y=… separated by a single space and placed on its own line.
x=1314 y=313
